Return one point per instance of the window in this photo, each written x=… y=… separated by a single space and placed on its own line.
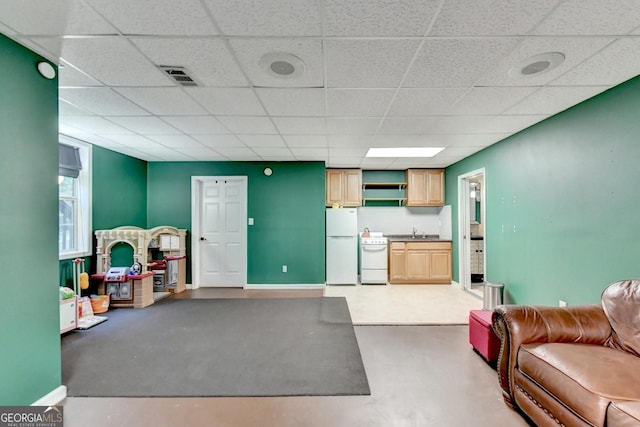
x=74 y=194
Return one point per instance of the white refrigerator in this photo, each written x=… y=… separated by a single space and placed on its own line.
x=342 y=247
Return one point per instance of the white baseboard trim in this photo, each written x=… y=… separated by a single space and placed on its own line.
x=189 y=286
x=456 y=284
x=52 y=398
x=284 y=286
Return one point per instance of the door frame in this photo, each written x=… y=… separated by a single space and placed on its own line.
x=196 y=186
x=464 y=226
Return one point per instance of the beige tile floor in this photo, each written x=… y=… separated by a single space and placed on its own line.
x=407 y=304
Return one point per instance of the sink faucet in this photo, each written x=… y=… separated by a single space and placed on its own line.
x=414 y=232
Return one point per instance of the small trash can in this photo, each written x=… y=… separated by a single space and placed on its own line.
x=492 y=296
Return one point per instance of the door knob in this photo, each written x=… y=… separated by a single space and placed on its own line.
x=202 y=238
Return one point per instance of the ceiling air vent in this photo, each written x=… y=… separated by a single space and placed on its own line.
x=179 y=74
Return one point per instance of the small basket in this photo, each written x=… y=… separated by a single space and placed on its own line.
x=100 y=304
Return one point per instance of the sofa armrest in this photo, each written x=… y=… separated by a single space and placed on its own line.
x=516 y=325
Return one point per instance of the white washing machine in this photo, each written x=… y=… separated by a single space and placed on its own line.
x=373 y=259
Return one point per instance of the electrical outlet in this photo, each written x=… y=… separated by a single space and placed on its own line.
x=284 y=268
x=562 y=303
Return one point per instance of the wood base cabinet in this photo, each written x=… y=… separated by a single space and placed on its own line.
x=420 y=262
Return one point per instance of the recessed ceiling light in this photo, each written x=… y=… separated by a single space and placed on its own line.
x=282 y=65
x=404 y=152
x=537 y=64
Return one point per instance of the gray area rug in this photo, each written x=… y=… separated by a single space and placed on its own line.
x=218 y=347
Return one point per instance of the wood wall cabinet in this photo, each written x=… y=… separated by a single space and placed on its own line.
x=425 y=187
x=344 y=187
x=420 y=262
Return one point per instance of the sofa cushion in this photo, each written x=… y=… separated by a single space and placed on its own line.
x=621 y=305
x=585 y=377
x=623 y=414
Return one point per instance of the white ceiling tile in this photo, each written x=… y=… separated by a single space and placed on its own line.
x=358 y=102
x=290 y=101
x=267 y=18
x=300 y=125
x=352 y=125
x=309 y=51
x=176 y=141
x=227 y=101
x=66 y=109
x=456 y=62
x=459 y=151
x=262 y=140
x=469 y=140
x=218 y=141
x=505 y=123
x=207 y=61
x=132 y=152
x=6 y=30
x=305 y=141
x=238 y=153
x=459 y=124
x=347 y=152
x=145 y=125
x=196 y=124
x=133 y=141
x=272 y=152
x=248 y=125
x=344 y=162
x=553 y=99
x=490 y=17
x=95 y=125
x=376 y=163
x=606 y=17
x=407 y=125
x=310 y=153
x=399 y=140
x=283 y=158
x=424 y=102
x=201 y=154
x=170 y=101
x=344 y=141
x=168 y=154
x=575 y=50
x=167 y=17
x=111 y=60
x=378 y=17
x=53 y=17
x=68 y=76
x=616 y=63
x=491 y=100
x=101 y=101
x=368 y=63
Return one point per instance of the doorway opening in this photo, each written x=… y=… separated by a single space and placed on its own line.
x=472 y=230
x=219 y=224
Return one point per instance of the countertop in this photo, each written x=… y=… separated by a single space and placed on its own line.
x=417 y=238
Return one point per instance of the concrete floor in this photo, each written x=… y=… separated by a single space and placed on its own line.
x=418 y=375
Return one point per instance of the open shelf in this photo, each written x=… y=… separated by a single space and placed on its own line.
x=384 y=185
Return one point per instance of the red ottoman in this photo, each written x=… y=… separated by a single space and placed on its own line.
x=481 y=335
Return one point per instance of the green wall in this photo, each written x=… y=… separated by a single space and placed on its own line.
x=561 y=202
x=29 y=312
x=288 y=208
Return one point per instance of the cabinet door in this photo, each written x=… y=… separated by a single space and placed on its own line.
x=440 y=265
x=333 y=187
x=352 y=188
x=418 y=264
x=397 y=262
x=416 y=187
x=435 y=187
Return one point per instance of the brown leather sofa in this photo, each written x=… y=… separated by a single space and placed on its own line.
x=573 y=366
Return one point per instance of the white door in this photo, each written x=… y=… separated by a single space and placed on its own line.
x=219 y=240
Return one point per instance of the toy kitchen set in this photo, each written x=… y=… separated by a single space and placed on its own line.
x=159 y=265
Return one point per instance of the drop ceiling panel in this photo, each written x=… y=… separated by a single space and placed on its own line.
x=300 y=125
x=407 y=125
x=352 y=125
x=424 y=102
x=254 y=141
x=176 y=141
x=101 y=101
x=208 y=61
x=66 y=109
x=377 y=163
x=305 y=141
x=505 y=123
x=145 y=125
x=201 y=154
x=238 y=153
x=358 y=102
x=294 y=102
x=575 y=51
x=491 y=100
x=589 y=17
x=219 y=141
x=552 y=100
x=259 y=18
x=344 y=141
x=170 y=101
x=69 y=77
x=196 y=124
x=169 y=17
x=94 y=124
x=310 y=153
x=248 y=125
x=227 y=101
x=378 y=63
x=134 y=141
x=273 y=152
x=309 y=51
x=54 y=18
x=498 y=17
x=616 y=63
x=113 y=61
x=456 y=62
x=378 y=17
